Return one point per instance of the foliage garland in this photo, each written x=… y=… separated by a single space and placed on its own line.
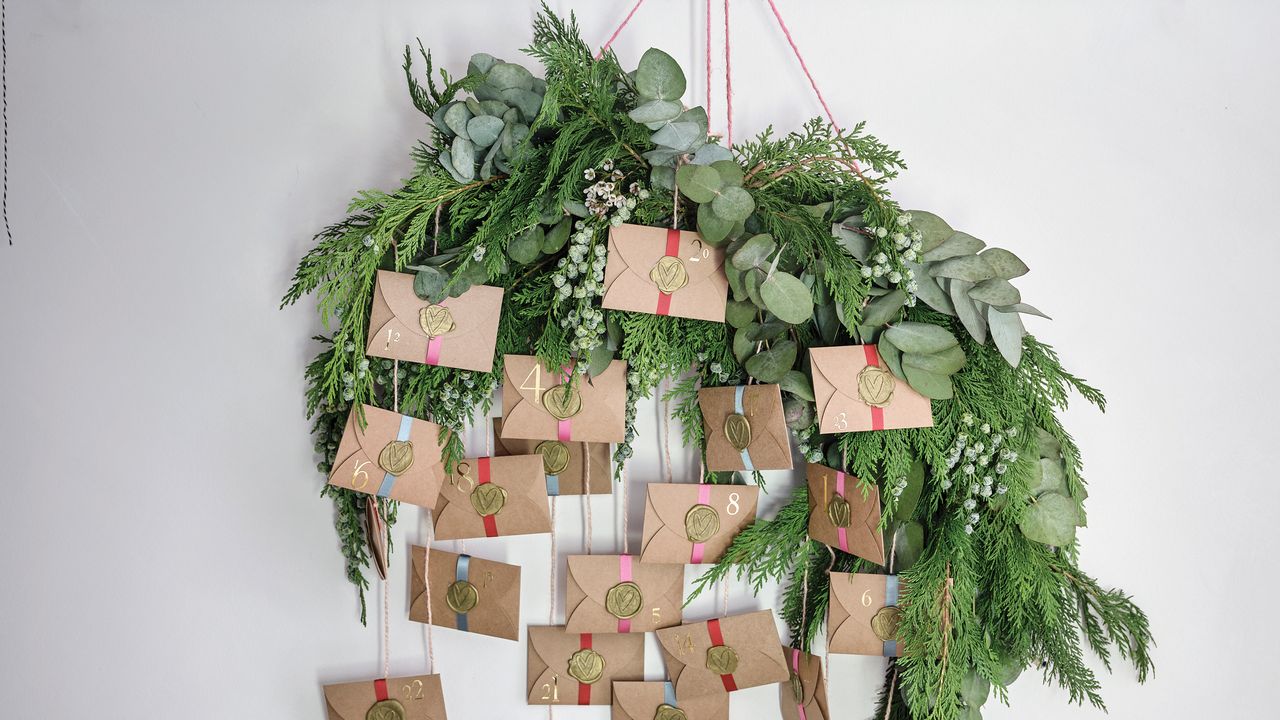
x=517 y=186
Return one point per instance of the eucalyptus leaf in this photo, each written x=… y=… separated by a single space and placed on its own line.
x=971 y=268
x=1047 y=445
x=576 y=208
x=656 y=111
x=736 y=282
x=714 y=231
x=798 y=414
x=1048 y=475
x=930 y=385
x=769 y=331
x=743 y=346
x=1007 y=332
x=907 y=544
x=933 y=230
x=753 y=279
x=958 y=244
x=928 y=290
x=974 y=689
x=525 y=247
x=884 y=309
x=770 y=365
x=1005 y=264
x=456 y=118
x=599 y=359
x=503 y=76
x=739 y=314
x=428 y=284
x=918 y=337
x=946 y=362
x=891 y=356
x=995 y=291
x=527 y=101
x=480 y=63
x=680 y=136
x=699 y=183
x=798 y=384
x=967 y=310
x=446 y=161
x=787 y=297
x=663 y=177
x=496 y=108
x=1023 y=308
x=710 y=153
x=755 y=252
x=734 y=204
x=484 y=129
x=557 y=236
x=858 y=244
x=659 y=77
x=729 y=171
x=1050 y=520
x=663 y=157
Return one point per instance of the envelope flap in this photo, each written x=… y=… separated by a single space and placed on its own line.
x=638 y=700
x=840 y=367
x=597 y=574
x=620 y=651
x=520 y=475
x=383 y=426
x=641 y=247
x=552 y=646
x=672 y=503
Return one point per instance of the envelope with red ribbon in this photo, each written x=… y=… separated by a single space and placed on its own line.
x=855 y=391
x=618 y=593
x=580 y=668
x=694 y=523
x=492 y=497
x=459 y=332
x=544 y=404
x=415 y=697
x=863 y=615
x=844 y=514
x=664 y=272
x=804 y=696
x=723 y=655
x=390 y=455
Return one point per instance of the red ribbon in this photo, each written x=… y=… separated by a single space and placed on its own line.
x=490 y=521
x=877 y=414
x=584 y=690
x=380 y=690
x=713 y=629
x=673 y=250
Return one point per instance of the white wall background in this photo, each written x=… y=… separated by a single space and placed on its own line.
x=163 y=544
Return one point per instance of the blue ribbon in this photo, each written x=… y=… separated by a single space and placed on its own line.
x=738 y=408
x=462 y=574
x=388 y=480
x=891 y=600
x=553 y=485
x=669 y=694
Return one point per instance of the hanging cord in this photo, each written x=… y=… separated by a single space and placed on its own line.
x=4 y=94
x=605 y=48
x=426 y=575
x=626 y=540
x=586 y=502
x=708 y=48
x=728 y=81
x=666 y=438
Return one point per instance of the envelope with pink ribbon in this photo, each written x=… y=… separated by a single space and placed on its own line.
x=855 y=391
x=539 y=403
x=804 y=696
x=459 y=332
x=845 y=513
x=618 y=593
x=694 y=523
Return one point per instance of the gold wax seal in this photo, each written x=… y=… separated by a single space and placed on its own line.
x=396 y=457
x=701 y=522
x=722 y=659
x=436 y=320
x=669 y=712
x=738 y=429
x=586 y=666
x=875 y=386
x=839 y=512
x=886 y=621
x=623 y=600
x=385 y=710
x=562 y=401
x=462 y=597
x=555 y=456
x=797 y=687
x=488 y=499
x=669 y=275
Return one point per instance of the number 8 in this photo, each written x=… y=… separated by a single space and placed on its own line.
x=732 y=508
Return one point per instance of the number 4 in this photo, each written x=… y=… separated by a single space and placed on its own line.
x=536 y=374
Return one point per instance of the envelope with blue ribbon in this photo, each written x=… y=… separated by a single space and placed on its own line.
x=745 y=428
x=468 y=593
x=571 y=468
x=863 y=616
x=389 y=455
x=658 y=701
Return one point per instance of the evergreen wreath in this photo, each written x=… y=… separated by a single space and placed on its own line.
x=517 y=186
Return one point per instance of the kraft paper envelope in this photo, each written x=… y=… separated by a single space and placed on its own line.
x=723 y=655
x=619 y=594
x=419 y=697
x=804 y=696
x=579 y=669
x=664 y=272
x=459 y=332
x=745 y=428
x=468 y=593
x=601 y=403
x=863 y=617
x=394 y=456
x=841 y=516
x=642 y=700
x=565 y=465
x=694 y=523
x=855 y=391
x=491 y=497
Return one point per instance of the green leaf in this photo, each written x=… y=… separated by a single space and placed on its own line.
x=1050 y=520
x=958 y=244
x=928 y=290
x=528 y=102
x=737 y=284
x=798 y=414
x=922 y=338
x=729 y=171
x=699 y=183
x=858 y=244
x=446 y=161
x=1007 y=332
x=480 y=63
x=557 y=236
x=1048 y=445
x=599 y=359
x=1023 y=308
x=753 y=279
x=798 y=384
x=967 y=310
x=995 y=291
x=755 y=252
x=907 y=545
x=787 y=297
x=710 y=153
x=971 y=268
x=934 y=387
x=656 y=111
x=733 y=204
x=659 y=76
x=910 y=496
x=933 y=230
x=891 y=355
x=947 y=362
x=769 y=366
x=882 y=310
x=739 y=314
x=1048 y=475
x=714 y=231
x=1005 y=264
x=429 y=282
x=974 y=689
x=663 y=177
x=484 y=129
x=464 y=157
x=525 y=247
x=680 y=136
x=505 y=76
x=769 y=331
x=743 y=346
x=456 y=118
x=969 y=713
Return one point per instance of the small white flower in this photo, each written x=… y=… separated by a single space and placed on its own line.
x=986 y=428
x=589 y=174
x=881 y=232
x=895 y=277
x=1011 y=432
x=968 y=469
x=946 y=484
x=1001 y=489
x=970 y=504
x=973 y=517
x=1001 y=468
x=968 y=529
x=866 y=271
x=881 y=258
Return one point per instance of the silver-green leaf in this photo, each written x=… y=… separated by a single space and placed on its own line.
x=996 y=291
x=1050 y=520
x=734 y=204
x=958 y=244
x=699 y=183
x=659 y=77
x=1005 y=264
x=918 y=337
x=787 y=298
x=970 y=268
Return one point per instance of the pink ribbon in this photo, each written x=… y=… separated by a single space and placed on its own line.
x=564 y=428
x=795 y=665
x=840 y=532
x=704 y=498
x=624 y=572
x=433 y=347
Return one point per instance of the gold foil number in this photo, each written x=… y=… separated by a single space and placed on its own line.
x=536 y=374
x=684 y=644
x=866 y=598
x=463 y=470
x=842 y=421
x=361 y=474
x=702 y=255
x=392 y=336
x=657 y=616
x=412 y=691
x=733 y=508
x=551 y=690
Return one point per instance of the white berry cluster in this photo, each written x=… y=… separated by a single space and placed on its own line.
x=606 y=196
x=981 y=462
x=805 y=443
x=906 y=241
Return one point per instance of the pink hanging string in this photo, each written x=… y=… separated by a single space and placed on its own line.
x=728 y=80
x=708 y=45
x=605 y=48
